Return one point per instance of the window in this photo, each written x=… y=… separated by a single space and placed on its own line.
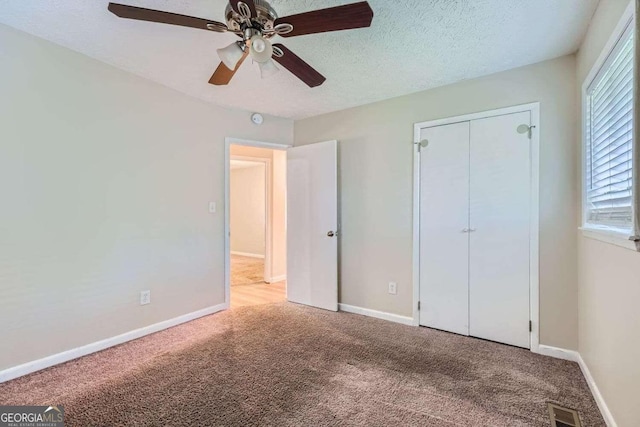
x=608 y=139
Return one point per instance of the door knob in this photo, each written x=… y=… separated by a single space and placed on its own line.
x=332 y=233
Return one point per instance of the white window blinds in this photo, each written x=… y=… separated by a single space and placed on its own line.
x=608 y=133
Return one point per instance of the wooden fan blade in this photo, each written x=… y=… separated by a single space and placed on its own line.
x=222 y=76
x=298 y=67
x=250 y=3
x=347 y=17
x=150 y=15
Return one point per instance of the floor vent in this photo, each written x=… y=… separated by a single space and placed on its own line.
x=563 y=417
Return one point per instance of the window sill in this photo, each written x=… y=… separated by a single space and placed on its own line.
x=613 y=237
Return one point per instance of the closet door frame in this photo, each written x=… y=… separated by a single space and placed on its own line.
x=534 y=279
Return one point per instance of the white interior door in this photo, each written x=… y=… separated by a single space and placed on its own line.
x=499 y=245
x=312 y=225
x=444 y=222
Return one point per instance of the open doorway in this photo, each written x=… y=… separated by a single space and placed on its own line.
x=256 y=221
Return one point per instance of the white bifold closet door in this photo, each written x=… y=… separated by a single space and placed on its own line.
x=499 y=217
x=475 y=189
x=444 y=217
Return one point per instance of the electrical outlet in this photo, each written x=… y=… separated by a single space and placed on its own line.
x=393 y=288
x=145 y=297
x=212 y=207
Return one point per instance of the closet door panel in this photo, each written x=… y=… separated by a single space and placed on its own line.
x=444 y=215
x=500 y=186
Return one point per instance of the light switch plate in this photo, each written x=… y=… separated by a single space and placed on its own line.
x=212 y=207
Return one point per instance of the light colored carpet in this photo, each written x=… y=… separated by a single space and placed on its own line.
x=289 y=365
x=246 y=270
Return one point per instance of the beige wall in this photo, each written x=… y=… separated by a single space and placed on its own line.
x=247 y=209
x=105 y=181
x=609 y=278
x=375 y=154
x=278 y=203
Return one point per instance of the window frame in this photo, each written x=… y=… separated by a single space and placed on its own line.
x=606 y=234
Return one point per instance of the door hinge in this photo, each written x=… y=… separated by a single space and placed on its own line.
x=418 y=305
x=530 y=326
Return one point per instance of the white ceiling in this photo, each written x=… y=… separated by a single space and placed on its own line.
x=412 y=45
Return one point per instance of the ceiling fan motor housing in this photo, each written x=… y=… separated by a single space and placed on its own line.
x=263 y=22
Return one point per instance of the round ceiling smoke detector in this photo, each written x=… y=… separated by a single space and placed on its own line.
x=257 y=118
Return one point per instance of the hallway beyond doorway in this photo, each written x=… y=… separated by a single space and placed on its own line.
x=248 y=285
x=246 y=270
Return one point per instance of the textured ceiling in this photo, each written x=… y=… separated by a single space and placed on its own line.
x=412 y=45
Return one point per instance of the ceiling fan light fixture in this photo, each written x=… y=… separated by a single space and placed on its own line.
x=267 y=69
x=261 y=49
x=231 y=55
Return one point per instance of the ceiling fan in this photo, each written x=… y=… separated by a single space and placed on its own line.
x=256 y=23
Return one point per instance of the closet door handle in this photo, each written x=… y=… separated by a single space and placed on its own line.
x=471 y=230
x=465 y=230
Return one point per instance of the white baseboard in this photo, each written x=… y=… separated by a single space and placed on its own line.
x=247 y=254
x=558 y=353
x=604 y=409
x=276 y=279
x=574 y=356
x=65 y=356
x=377 y=314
